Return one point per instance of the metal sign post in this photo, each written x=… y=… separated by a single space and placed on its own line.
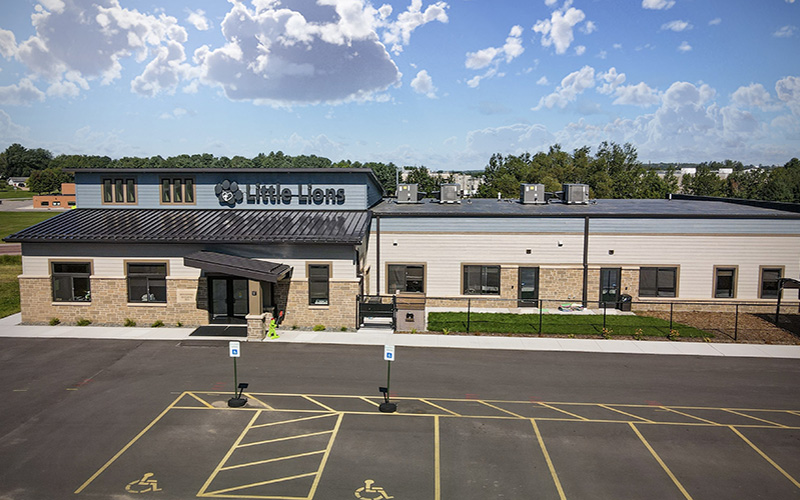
x=237 y=401
x=388 y=356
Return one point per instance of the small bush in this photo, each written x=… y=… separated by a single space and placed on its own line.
x=637 y=335
x=83 y=322
x=413 y=330
x=294 y=327
x=157 y=324
x=607 y=333
x=343 y=329
x=318 y=328
x=129 y=322
x=54 y=321
x=673 y=334
x=179 y=324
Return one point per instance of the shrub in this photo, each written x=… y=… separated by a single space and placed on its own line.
x=318 y=328
x=179 y=324
x=673 y=334
x=607 y=333
x=83 y=322
x=157 y=324
x=637 y=335
x=343 y=329
x=54 y=321
x=129 y=322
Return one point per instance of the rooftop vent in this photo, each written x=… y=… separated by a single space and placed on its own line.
x=576 y=194
x=532 y=194
x=407 y=193
x=449 y=193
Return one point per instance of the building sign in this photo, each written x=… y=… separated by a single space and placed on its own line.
x=231 y=193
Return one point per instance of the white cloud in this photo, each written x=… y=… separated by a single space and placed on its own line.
x=162 y=73
x=788 y=90
x=493 y=56
x=657 y=4
x=684 y=46
x=580 y=50
x=10 y=131
x=752 y=96
x=676 y=25
x=512 y=139
x=589 y=28
x=198 y=19
x=569 y=89
x=558 y=29
x=20 y=94
x=174 y=114
x=423 y=84
x=716 y=21
x=8 y=44
x=612 y=80
x=636 y=95
x=542 y=81
x=398 y=33
x=787 y=31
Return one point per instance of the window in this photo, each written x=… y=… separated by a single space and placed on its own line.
x=318 y=275
x=481 y=280
x=71 y=282
x=56 y=203
x=724 y=282
x=119 y=190
x=657 y=281
x=45 y=203
x=769 y=282
x=147 y=282
x=406 y=278
x=178 y=190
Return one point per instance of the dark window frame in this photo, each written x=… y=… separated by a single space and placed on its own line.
x=771 y=292
x=177 y=190
x=725 y=292
x=660 y=279
x=484 y=276
x=413 y=285
x=62 y=275
x=154 y=284
x=319 y=291
x=118 y=190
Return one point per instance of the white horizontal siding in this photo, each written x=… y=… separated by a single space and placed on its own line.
x=694 y=226
x=480 y=225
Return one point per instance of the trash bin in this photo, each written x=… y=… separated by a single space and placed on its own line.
x=624 y=303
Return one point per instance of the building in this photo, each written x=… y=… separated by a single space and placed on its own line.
x=243 y=245
x=18 y=182
x=65 y=199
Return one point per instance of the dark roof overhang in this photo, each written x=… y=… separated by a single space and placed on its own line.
x=259 y=270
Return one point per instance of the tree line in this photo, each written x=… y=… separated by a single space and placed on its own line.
x=613 y=171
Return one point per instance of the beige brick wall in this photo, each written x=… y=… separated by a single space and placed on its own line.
x=292 y=297
x=561 y=284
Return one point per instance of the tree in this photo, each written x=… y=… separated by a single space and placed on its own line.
x=46 y=181
x=704 y=182
x=16 y=161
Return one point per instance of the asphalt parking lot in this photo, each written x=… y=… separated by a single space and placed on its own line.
x=113 y=419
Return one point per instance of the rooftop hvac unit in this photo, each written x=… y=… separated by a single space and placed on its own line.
x=407 y=193
x=576 y=194
x=449 y=193
x=532 y=194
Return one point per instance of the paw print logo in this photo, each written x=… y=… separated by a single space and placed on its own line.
x=228 y=193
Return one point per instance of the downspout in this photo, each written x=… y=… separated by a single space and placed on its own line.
x=378 y=254
x=585 y=296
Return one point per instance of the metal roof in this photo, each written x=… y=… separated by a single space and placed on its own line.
x=95 y=225
x=243 y=267
x=602 y=208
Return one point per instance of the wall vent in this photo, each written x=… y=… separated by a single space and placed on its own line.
x=449 y=193
x=407 y=193
x=576 y=194
x=532 y=194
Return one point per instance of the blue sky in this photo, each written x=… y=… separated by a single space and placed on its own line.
x=439 y=83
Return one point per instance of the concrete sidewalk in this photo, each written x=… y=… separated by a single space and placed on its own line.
x=10 y=327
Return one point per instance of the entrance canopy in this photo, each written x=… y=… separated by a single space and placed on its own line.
x=232 y=265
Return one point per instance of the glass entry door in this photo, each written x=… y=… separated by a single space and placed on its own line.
x=227 y=299
x=528 y=295
x=609 y=286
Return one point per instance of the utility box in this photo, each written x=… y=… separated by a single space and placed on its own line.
x=407 y=193
x=576 y=194
x=532 y=194
x=449 y=193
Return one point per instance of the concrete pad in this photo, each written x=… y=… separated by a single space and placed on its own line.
x=621 y=346
x=757 y=350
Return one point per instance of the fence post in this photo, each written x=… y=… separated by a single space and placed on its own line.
x=540 y=316
x=469 y=311
x=604 y=315
x=671 y=305
x=736 y=325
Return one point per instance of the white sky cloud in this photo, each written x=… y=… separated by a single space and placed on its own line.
x=198 y=19
x=684 y=46
x=557 y=31
x=542 y=81
x=785 y=31
x=423 y=84
x=657 y=4
x=398 y=33
x=716 y=21
x=636 y=95
x=580 y=50
x=788 y=90
x=676 y=25
x=8 y=44
x=25 y=92
x=569 y=89
x=752 y=96
x=493 y=56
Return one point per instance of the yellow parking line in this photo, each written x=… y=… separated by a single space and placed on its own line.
x=638 y=418
x=250 y=396
x=269 y=460
x=563 y=411
x=437 y=485
x=201 y=400
x=130 y=443
x=369 y=401
x=324 y=461
x=764 y=455
x=754 y=418
x=547 y=459
x=261 y=483
x=320 y=404
x=661 y=462
x=301 y=419
x=288 y=438
x=440 y=407
x=216 y=470
x=690 y=416
x=501 y=409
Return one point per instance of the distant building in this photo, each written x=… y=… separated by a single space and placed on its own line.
x=18 y=182
x=64 y=200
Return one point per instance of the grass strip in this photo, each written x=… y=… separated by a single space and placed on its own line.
x=10 y=268
x=11 y=222
x=558 y=324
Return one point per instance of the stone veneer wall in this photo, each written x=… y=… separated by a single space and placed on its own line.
x=561 y=284
x=292 y=297
x=187 y=301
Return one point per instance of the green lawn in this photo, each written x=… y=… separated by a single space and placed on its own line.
x=11 y=222
x=10 y=268
x=557 y=324
x=10 y=194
